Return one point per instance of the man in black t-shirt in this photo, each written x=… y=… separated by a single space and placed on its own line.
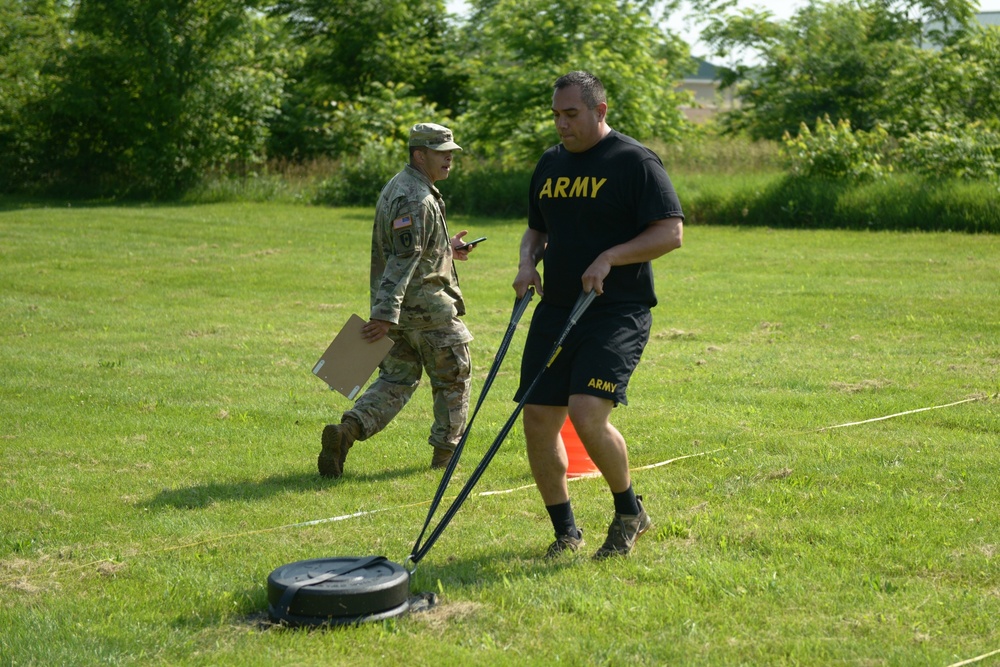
x=601 y=209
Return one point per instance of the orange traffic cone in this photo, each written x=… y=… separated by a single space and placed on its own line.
x=579 y=460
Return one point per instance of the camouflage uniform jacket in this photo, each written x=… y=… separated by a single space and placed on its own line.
x=413 y=279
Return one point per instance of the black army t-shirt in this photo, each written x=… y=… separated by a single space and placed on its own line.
x=588 y=202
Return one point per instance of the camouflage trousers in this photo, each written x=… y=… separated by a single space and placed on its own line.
x=444 y=355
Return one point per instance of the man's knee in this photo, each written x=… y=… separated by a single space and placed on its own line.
x=589 y=414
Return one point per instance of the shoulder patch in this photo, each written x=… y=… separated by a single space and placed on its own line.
x=401 y=223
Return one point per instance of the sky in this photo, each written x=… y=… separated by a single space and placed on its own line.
x=781 y=9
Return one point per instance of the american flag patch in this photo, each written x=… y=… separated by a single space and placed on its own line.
x=400 y=223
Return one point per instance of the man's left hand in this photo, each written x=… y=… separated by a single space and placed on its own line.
x=593 y=277
x=456 y=240
x=374 y=330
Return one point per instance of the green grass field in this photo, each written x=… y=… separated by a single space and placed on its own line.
x=159 y=426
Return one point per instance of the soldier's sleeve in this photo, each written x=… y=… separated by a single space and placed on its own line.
x=406 y=238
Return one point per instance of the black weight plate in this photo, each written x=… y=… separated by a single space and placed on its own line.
x=294 y=620
x=379 y=586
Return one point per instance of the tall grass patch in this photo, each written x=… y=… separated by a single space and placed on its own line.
x=723 y=181
x=898 y=202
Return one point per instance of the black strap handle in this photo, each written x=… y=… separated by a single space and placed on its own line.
x=419 y=551
x=520 y=305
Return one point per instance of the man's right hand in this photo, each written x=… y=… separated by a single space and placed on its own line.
x=527 y=277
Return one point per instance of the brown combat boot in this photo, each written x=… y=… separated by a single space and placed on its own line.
x=337 y=439
x=442 y=457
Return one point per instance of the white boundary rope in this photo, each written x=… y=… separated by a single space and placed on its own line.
x=483 y=494
x=976 y=659
x=898 y=414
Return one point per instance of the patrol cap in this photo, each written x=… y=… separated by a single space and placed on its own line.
x=433 y=136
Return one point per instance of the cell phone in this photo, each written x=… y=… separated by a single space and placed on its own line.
x=470 y=243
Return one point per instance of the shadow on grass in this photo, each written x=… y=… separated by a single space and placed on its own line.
x=203 y=495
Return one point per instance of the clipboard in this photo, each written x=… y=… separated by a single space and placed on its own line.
x=350 y=360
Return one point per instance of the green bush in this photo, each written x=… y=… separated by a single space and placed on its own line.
x=358 y=181
x=971 y=152
x=835 y=151
x=382 y=116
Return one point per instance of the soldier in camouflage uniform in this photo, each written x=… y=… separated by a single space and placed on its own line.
x=416 y=301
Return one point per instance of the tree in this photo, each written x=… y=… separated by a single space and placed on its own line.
x=33 y=36
x=153 y=93
x=836 y=58
x=353 y=43
x=951 y=86
x=517 y=48
x=351 y=48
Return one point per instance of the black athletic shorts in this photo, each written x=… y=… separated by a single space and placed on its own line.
x=597 y=358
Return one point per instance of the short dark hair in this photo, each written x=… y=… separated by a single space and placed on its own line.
x=591 y=89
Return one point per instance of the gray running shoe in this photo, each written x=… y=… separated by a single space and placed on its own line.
x=624 y=530
x=563 y=544
x=337 y=439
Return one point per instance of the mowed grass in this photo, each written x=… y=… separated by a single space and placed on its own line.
x=159 y=426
